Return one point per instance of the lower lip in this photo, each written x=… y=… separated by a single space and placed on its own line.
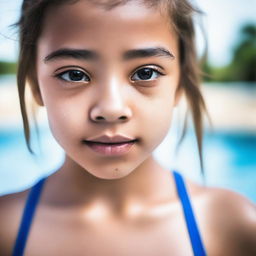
x=110 y=149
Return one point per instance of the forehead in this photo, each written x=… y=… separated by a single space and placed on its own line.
x=86 y=22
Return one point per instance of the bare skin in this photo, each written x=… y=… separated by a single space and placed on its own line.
x=226 y=221
x=125 y=205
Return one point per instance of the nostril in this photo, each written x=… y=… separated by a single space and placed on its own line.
x=102 y=118
x=99 y=118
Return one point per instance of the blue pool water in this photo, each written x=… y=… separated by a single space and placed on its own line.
x=230 y=159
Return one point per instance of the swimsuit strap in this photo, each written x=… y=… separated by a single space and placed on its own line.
x=27 y=218
x=196 y=242
x=34 y=197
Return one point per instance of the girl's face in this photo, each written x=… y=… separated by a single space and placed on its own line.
x=108 y=72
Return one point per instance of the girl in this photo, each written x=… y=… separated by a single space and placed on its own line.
x=109 y=73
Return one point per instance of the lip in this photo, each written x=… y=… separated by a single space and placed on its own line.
x=112 y=146
x=110 y=139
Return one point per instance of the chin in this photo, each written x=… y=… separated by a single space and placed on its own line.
x=109 y=173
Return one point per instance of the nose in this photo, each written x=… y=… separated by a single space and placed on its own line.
x=110 y=105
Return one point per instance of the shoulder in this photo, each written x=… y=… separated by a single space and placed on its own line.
x=11 y=208
x=228 y=220
x=10 y=201
x=234 y=218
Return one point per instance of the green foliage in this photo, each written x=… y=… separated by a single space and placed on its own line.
x=243 y=64
x=7 y=68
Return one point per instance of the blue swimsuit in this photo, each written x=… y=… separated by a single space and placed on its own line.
x=33 y=199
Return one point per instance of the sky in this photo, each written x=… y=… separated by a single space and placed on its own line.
x=222 y=21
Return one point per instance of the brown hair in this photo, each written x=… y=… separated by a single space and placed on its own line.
x=181 y=13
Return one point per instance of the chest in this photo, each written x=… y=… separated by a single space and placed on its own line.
x=74 y=236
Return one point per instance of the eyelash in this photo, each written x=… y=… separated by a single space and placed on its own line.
x=86 y=76
x=152 y=69
x=68 y=72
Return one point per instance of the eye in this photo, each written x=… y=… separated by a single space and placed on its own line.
x=146 y=74
x=74 y=76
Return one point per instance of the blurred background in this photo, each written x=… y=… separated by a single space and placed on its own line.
x=229 y=91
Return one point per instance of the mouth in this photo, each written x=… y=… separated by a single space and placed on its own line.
x=110 y=148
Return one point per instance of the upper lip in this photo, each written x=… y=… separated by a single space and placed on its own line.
x=111 y=139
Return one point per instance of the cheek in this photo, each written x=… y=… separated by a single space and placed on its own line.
x=65 y=117
x=63 y=107
x=162 y=122
x=60 y=121
x=157 y=119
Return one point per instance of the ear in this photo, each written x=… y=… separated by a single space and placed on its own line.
x=179 y=92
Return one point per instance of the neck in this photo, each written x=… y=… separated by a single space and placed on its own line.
x=72 y=185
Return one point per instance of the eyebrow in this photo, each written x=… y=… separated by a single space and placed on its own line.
x=148 y=52
x=71 y=53
x=84 y=54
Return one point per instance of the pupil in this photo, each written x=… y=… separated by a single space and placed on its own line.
x=76 y=75
x=145 y=73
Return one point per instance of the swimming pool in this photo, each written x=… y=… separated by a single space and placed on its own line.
x=230 y=159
